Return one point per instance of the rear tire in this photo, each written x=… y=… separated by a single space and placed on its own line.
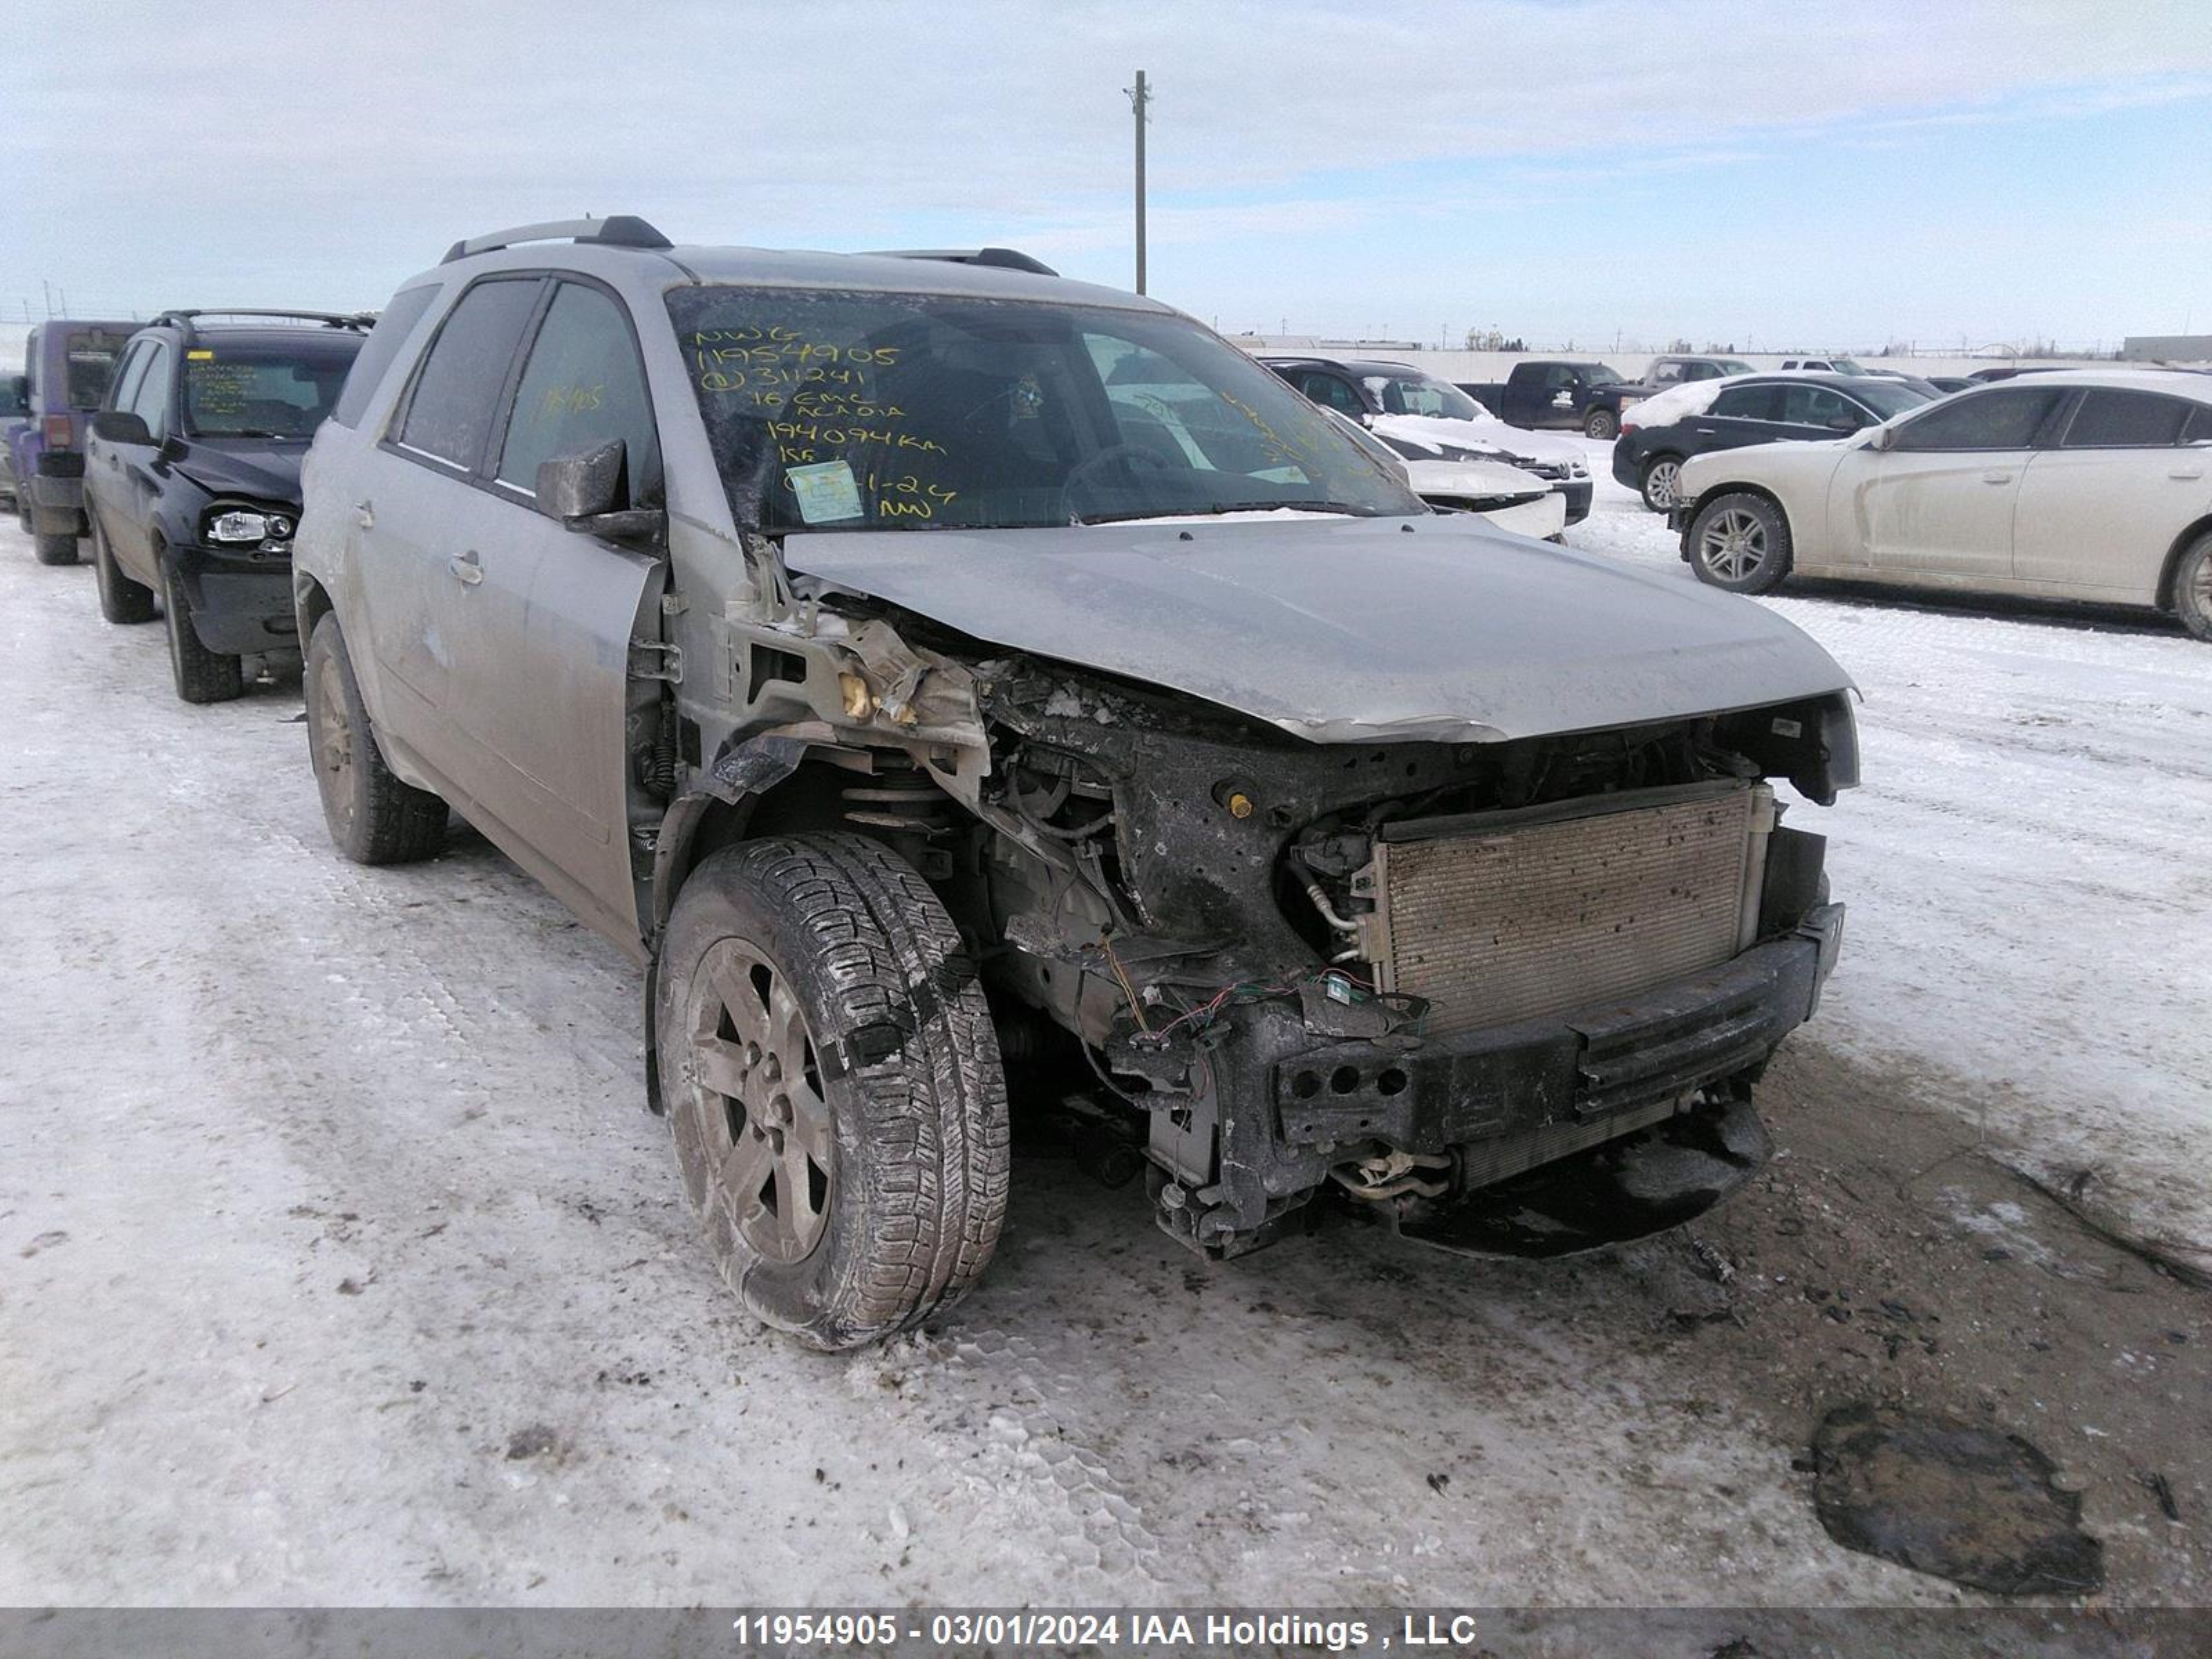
x=1741 y=542
x=2192 y=589
x=55 y=549
x=1601 y=424
x=1661 y=486
x=121 y=600
x=372 y=816
x=833 y=1086
x=201 y=675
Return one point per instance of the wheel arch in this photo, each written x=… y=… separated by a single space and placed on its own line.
x=2163 y=597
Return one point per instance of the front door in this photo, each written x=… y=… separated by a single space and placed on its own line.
x=1939 y=503
x=541 y=673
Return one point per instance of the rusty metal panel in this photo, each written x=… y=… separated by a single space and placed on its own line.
x=1521 y=922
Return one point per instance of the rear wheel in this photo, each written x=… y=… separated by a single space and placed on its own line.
x=372 y=816
x=201 y=675
x=1741 y=542
x=833 y=1086
x=2192 y=589
x=121 y=600
x=1662 y=483
x=1600 y=423
x=55 y=549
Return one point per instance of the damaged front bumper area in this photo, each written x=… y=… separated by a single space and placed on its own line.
x=1493 y=988
x=1633 y=1113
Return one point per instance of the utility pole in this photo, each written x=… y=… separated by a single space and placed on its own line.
x=1139 y=96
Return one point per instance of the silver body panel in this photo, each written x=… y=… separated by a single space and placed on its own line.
x=1348 y=630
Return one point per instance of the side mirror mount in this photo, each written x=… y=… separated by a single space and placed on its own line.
x=120 y=426
x=1885 y=437
x=586 y=492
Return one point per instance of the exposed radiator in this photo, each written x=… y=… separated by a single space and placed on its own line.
x=1504 y=916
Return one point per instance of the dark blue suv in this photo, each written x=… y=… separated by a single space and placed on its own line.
x=192 y=481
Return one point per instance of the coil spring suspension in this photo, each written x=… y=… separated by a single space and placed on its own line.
x=901 y=800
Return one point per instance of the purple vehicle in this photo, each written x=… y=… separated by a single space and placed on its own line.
x=67 y=366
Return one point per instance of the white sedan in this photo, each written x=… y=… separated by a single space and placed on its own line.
x=2090 y=484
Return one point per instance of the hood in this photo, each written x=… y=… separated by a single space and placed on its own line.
x=245 y=466
x=1485 y=434
x=1346 y=631
x=1473 y=480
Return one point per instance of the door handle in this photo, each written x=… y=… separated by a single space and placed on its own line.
x=1705 y=431
x=2186 y=473
x=468 y=567
x=1996 y=478
x=364 y=515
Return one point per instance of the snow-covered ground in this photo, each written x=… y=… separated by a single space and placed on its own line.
x=338 y=1264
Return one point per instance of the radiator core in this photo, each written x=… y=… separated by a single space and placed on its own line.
x=1516 y=916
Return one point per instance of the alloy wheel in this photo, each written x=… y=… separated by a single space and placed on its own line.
x=1734 y=545
x=763 y=1117
x=333 y=741
x=1663 y=485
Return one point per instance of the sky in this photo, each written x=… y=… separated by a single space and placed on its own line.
x=1761 y=175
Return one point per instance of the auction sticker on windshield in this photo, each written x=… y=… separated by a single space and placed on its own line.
x=826 y=491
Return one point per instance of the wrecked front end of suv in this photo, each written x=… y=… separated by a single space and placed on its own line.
x=1479 y=925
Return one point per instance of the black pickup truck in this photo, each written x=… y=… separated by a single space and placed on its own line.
x=1559 y=392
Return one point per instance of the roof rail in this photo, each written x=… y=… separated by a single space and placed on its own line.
x=1005 y=258
x=617 y=230
x=185 y=320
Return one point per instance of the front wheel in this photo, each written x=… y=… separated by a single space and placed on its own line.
x=833 y=1086
x=200 y=675
x=1600 y=423
x=55 y=549
x=2192 y=589
x=1741 y=542
x=1662 y=483
x=372 y=816
x=121 y=600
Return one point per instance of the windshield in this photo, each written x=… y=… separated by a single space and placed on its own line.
x=1845 y=366
x=912 y=411
x=264 y=391
x=91 y=354
x=1888 y=397
x=1599 y=375
x=1420 y=394
x=1734 y=366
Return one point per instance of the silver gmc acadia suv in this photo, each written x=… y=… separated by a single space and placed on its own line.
x=930 y=669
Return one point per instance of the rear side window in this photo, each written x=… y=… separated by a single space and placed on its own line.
x=1816 y=405
x=583 y=386
x=2126 y=420
x=1748 y=402
x=2199 y=429
x=1331 y=393
x=377 y=352
x=91 y=356
x=450 y=414
x=1983 y=420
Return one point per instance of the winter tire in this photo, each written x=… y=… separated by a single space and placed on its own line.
x=833 y=1086
x=121 y=600
x=2192 y=589
x=372 y=816
x=201 y=675
x=1601 y=424
x=1741 y=542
